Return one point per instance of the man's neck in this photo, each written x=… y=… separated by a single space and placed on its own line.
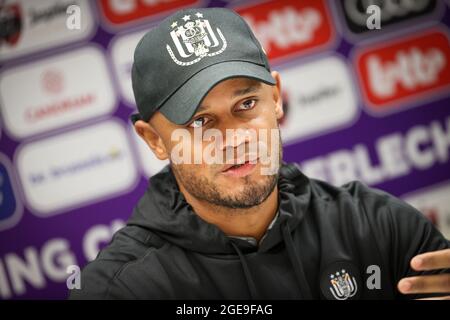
x=249 y=222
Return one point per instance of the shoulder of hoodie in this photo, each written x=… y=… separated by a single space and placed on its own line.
x=393 y=228
x=100 y=277
x=356 y=192
x=385 y=213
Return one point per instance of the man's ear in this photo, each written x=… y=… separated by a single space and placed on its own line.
x=277 y=96
x=152 y=138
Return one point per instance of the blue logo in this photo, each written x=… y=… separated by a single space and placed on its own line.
x=8 y=201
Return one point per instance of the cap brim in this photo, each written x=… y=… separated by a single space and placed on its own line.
x=182 y=105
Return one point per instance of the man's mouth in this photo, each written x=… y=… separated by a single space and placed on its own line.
x=235 y=166
x=240 y=170
x=248 y=158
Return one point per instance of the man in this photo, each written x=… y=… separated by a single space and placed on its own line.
x=247 y=228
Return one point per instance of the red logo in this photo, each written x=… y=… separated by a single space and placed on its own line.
x=287 y=28
x=119 y=12
x=10 y=24
x=404 y=70
x=52 y=81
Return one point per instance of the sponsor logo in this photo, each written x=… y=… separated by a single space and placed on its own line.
x=10 y=208
x=314 y=103
x=392 y=156
x=404 y=71
x=52 y=81
x=10 y=24
x=434 y=203
x=392 y=13
x=59 y=92
x=122 y=57
x=289 y=28
x=76 y=167
x=124 y=12
x=35 y=267
x=30 y=26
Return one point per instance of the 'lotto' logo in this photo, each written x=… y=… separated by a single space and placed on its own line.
x=285 y=28
x=123 y=12
x=404 y=71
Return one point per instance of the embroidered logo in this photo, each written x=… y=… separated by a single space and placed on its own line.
x=195 y=39
x=343 y=285
x=340 y=280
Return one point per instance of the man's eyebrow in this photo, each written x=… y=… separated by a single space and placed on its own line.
x=250 y=89
x=237 y=93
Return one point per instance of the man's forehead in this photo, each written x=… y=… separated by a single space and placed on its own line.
x=241 y=81
x=233 y=87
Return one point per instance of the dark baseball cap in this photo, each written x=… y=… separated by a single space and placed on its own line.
x=179 y=61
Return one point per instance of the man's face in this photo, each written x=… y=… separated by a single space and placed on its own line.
x=230 y=108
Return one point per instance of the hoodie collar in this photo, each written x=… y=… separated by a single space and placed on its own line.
x=254 y=241
x=164 y=211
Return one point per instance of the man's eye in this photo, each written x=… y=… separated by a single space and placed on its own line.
x=198 y=123
x=247 y=105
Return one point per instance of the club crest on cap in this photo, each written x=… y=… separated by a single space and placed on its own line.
x=195 y=39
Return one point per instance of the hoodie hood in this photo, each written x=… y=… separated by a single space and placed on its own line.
x=164 y=211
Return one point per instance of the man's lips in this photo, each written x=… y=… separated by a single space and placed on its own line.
x=240 y=171
x=238 y=163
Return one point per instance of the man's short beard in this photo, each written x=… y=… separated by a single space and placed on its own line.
x=202 y=189
x=252 y=195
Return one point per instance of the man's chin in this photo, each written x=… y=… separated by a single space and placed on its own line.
x=249 y=191
x=226 y=191
x=239 y=183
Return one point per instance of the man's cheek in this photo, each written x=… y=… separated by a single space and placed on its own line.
x=269 y=152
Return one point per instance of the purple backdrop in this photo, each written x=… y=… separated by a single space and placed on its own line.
x=361 y=104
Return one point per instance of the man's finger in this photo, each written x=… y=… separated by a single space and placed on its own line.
x=431 y=260
x=439 y=283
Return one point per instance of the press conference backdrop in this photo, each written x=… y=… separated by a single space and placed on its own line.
x=360 y=103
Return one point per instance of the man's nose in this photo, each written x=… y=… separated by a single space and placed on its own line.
x=235 y=138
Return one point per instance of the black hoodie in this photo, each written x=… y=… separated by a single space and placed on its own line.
x=348 y=242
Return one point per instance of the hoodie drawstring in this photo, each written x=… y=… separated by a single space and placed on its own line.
x=296 y=263
x=248 y=276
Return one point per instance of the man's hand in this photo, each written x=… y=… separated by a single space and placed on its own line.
x=439 y=283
